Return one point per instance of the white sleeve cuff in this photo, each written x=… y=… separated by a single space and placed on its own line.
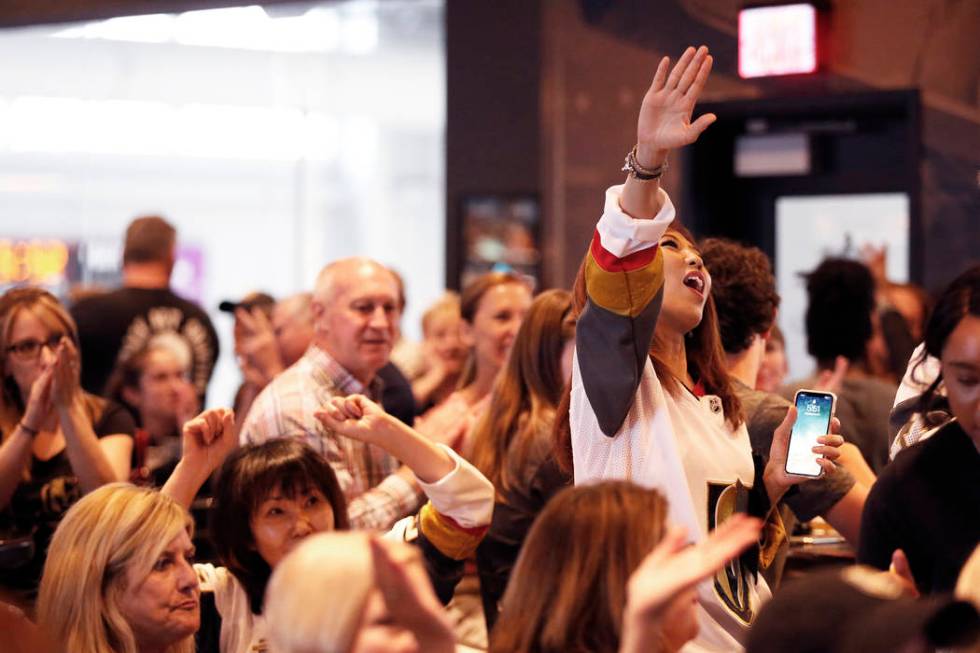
x=464 y=494
x=622 y=235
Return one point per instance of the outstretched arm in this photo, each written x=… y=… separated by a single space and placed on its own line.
x=359 y=418
x=207 y=440
x=460 y=497
x=664 y=124
x=623 y=268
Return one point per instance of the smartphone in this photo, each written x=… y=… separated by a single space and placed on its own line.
x=813 y=412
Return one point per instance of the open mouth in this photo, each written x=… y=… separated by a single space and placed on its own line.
x=695 y=281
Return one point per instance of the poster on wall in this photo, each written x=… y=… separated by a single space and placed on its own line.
x=501 y=233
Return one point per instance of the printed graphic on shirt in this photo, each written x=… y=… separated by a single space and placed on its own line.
x=732 y=580
x=57 y=495
x=186 y=337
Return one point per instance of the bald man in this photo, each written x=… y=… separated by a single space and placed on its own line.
x=355 y=312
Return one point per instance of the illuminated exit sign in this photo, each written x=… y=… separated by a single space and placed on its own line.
x=777 y=40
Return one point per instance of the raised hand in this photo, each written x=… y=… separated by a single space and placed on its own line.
x=357 y=417
x=775 y=477
x=665 y=114
x=209 y=438
x=673 y=569
x=257 y=344
x=408 y=596
x=876 y=258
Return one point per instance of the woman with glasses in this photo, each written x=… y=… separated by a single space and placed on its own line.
x=58 y=442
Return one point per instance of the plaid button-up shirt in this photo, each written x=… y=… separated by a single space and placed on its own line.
x=376 y=498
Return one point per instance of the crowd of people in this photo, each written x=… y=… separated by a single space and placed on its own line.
x=597 y=469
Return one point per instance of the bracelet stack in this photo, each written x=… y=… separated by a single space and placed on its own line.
x=30 y=431
x=636 y=170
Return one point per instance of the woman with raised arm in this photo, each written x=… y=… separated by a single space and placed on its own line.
x=59 y=442
x=600 y=572
x=650 y=399
x=271 y=496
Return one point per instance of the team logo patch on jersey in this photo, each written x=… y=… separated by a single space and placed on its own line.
x=732 y=581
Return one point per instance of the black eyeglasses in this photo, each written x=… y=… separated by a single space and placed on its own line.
x=30 y=349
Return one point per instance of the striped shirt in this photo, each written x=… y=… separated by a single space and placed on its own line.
x=376 y=498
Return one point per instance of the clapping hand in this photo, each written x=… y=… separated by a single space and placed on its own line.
x=39 y=411
x=665 y=114
x=65 y=383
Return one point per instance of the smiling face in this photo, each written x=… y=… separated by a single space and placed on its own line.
x=961 y=374
x=495 y=323
x=283 y=519
x=163 y=607
x=356 y=316
x=686 y=284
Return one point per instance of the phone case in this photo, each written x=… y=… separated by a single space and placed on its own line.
x=833 y=412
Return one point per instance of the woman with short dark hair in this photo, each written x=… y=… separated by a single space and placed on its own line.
x=271 y=496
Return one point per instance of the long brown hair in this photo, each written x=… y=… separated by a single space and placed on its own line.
x=45 y=307
x=705 y=362
x=469 y=304
x=568 y=590
x=526 y=394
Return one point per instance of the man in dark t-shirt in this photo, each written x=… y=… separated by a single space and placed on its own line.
x=118 y=324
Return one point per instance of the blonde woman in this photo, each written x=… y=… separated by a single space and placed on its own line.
x=59 y=442
x=119 y=577
x=379 y=595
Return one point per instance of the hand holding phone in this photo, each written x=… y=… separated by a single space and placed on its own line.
x=814 y=411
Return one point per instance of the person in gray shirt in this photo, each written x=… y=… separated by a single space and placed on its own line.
x=744 y=290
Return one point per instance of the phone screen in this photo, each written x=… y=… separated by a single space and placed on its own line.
x=813 y=413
